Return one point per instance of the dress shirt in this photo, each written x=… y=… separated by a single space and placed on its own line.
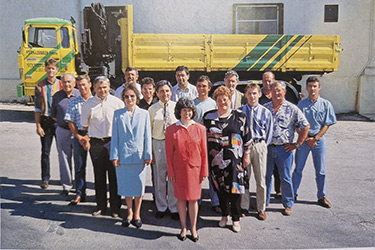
x=119 y=90
x=156 y=112
x=285 y=122
x=73 y=114
x=60 y=103
x=190 y=91
x=319 y=113
x=43 y=96
x=202 y=107
x=97 y=115
x=260 y=122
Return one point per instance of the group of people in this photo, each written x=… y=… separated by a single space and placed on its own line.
x=185 y=136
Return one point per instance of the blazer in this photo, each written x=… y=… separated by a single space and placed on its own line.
x=131 y=138
x=240 y=99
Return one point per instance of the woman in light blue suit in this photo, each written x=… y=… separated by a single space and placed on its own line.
x=131 y=151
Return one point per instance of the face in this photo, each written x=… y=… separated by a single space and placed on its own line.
x=102 y=89
x=182 y=78
x=51 y=71
x=131 y=77
x=186 y=114
x=84 y=87
x=68 y=83
x=130 y=98
x=231 y=82
x=164 y=93
x=148 y=91
x=267 y=80
x=313 y=89
x=203 y=89
x=223 y=103
x=278 y=93
x=252 y=95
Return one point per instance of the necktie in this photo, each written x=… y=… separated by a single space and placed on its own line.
x=167 y=118
x=251 y=122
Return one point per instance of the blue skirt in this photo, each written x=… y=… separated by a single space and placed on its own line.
x=131 y=179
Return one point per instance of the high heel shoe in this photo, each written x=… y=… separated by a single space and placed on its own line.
x=195 y=239
x=126 y=222
x=181 y=237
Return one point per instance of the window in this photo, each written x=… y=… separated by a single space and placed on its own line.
x=64 y=37
x=258 y=18
x=42 y=37
x=331 y=13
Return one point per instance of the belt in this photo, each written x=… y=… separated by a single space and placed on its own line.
x=277 y=145
x=105 y=139
x=258 y=140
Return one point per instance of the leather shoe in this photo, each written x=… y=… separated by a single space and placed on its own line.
x=159 y=214
x=181 y=237
x=223 y=222
x=125 y=223
x=324 y=202
x=64 y=193
x=244 y=212
x=288 y=211
x=76 y=200
x=44 y=185
x=97 y=213
x=175 y=216
x=236 y=226
x=217 y=209
x=137 y=223
x=195 y=239
x=262 y=215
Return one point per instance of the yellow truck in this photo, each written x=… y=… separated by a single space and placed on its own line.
x=109 y=45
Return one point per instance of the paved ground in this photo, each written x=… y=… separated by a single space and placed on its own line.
x=41 y=219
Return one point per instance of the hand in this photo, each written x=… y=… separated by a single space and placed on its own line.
x=246 y=160
x=173 y=179
x=290 y=147
x=148 y=162
x=85 y=142
x=40 y=131
x=116 y=163
x=311 y=142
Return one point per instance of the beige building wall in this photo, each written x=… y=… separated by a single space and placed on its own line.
x=349 y=89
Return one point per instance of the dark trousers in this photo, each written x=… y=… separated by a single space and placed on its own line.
x=230 y=202
x=99 y=153
x=277 y=180
x=80 y=162
x=49 y=127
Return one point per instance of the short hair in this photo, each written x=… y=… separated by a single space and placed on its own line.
x=130 y=87
x=183 y=68
x=131 y=69
x=52 y=62
x=100 y=79
x=252 y=86
x=184 y=102
x=147 y=80
x=162 y=83
x=68 y=74
x=232 y=73
x=85 y=76
x=269 y=73
x=312 y=79
x=282 y=84
x=222 y=90
x=203 y=78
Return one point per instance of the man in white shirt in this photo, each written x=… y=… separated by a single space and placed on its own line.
x=131 y=77
x=97 y=118
x=183 y=87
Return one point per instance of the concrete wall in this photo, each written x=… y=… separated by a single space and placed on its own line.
x=213 y=16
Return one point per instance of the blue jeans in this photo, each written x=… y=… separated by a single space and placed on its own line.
x=80 y=160
x=319 y=155
x=283 y=160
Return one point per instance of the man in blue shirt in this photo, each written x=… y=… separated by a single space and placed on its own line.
x=287 y=119
x=320 y=114
x=73 y=117
x=260 y=121
x=64 y=137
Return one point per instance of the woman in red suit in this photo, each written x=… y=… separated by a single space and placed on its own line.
x=186 y=150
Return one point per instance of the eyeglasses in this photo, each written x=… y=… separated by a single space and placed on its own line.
x=129 y=96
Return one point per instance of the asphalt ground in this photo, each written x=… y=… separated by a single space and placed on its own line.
x=32 y=218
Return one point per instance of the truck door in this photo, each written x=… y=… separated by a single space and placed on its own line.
x=67 y=50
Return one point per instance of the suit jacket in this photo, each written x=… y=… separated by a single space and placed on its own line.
x=240 y=99
x=131 y=138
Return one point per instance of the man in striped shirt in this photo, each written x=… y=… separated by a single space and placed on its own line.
x=260 y=121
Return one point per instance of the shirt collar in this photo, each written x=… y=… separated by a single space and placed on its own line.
x=179 y=123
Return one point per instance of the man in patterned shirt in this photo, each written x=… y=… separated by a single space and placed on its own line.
x=73 y=116
x=287 y=119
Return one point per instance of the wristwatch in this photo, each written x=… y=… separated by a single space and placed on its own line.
x=316 y=140
x=297 y=145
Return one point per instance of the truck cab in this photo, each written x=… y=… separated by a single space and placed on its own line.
x=44 y=38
